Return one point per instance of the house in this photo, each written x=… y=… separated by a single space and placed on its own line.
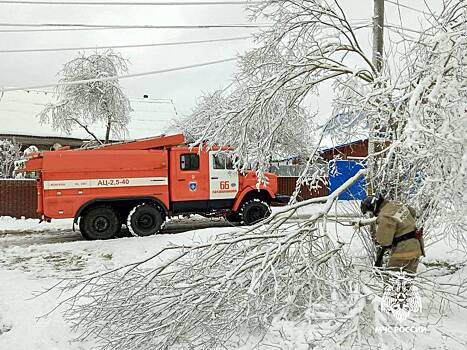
x=291 y=168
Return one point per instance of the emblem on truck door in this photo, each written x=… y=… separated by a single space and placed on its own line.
x=193 y=185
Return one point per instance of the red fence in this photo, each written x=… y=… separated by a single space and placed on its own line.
x=18 y=198
x=286 y=185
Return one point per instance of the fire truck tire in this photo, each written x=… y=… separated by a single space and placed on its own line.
x=145 y=220
x=253 y=211
x=233 y=218
x=99 y=223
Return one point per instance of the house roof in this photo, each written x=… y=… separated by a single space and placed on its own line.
x=344 y=129
x=330 y=144
x=19 y=110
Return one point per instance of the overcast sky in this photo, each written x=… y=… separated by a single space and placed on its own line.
x=23 y=69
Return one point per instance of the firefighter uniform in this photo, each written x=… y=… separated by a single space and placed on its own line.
x=396 y=221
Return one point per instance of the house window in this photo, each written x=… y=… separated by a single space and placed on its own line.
x=189 y=161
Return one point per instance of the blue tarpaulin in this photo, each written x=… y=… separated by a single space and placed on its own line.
x=340 y=171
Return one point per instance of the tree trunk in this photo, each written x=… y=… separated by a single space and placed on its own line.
x=107 y=132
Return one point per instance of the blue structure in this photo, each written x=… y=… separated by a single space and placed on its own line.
x=340 y=171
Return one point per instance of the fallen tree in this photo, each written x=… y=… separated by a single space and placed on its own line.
x=236 y=286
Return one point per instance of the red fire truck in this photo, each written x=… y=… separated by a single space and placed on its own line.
x=142 y=183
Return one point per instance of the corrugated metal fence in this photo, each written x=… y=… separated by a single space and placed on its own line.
x=18 y=198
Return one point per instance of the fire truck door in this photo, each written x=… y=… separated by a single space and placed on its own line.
x=190 y=180
x=223 y=183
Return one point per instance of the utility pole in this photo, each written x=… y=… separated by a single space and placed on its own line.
x=378 y=41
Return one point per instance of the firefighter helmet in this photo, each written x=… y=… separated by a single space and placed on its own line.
x=371 y=204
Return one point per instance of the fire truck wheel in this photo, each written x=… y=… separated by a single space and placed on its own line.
x=233 y=218
x=144 y=220
x=99 y=223
x=253 y=211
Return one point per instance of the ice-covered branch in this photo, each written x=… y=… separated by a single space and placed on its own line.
x=207 y=293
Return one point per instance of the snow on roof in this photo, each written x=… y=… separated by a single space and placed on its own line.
x=329 y=142
x=19 y=110
x=345 y=129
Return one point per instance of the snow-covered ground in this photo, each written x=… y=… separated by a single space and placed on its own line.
x=35 y=256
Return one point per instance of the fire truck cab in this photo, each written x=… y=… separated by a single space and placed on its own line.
x=142 y=183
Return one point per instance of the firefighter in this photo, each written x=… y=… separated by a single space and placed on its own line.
x=396 y=231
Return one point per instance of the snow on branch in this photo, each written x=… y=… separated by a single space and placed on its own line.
x=10 y=152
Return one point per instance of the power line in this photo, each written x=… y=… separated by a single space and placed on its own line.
x=396 y=27
x=41 y=91
x=176 y=43
x=54 y=30
x=407 y=7
x=116 y=27
x=85 y=27
x=132 y=99
x=123 y=3
x=152 y=100
x=77 y=82
x=134 y=112
x=133 y=26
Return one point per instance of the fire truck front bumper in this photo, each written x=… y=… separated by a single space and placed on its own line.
x=280 y=199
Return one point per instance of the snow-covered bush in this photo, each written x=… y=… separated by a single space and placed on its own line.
x=19 y=165
x=10 y=151
x=28 y=151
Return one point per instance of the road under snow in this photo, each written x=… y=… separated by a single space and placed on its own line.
x=30 y=232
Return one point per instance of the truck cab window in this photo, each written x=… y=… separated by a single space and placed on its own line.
x=189 y=161
x=222 y=161
x=229 y=163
